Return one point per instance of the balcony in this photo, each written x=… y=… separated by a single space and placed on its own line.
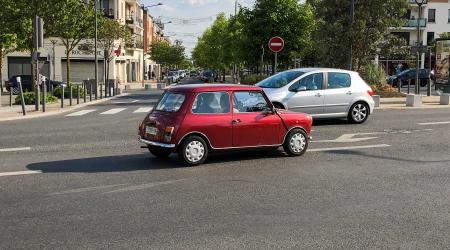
x=413 y=23
x=132 y=21
x=413 y=3
x=137 y=42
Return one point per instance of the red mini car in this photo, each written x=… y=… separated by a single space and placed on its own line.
x=196 y=119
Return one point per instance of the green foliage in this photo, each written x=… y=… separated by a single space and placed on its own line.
x=166 y=54
x=394 y=47
x=252 y=79
x=30 y=99
x=57 y=92
x=109 y=33
x=373 y=74
x=336 y=33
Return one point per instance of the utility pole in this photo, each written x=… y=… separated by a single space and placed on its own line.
x=95 y=50
x=235 y=66
x=352 y=18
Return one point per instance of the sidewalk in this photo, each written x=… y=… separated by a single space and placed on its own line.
x=14 y=112
x=400 y=103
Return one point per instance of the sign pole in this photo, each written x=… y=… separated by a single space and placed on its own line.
x=276 y=63
x=19 y=81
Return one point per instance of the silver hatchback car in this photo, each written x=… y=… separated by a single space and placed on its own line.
x=323 y=93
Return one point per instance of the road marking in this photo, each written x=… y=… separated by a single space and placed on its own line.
x=349 y=137
x=125 y=102
x=433 y=123
x=14 y=149
x=87 y=189
x=113 y=111
x=82 y=112
x=143 y=186
x=21 y=173
x=348 y=148
x=143 y=110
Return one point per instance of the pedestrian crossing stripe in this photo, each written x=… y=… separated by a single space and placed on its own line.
x=111 y=111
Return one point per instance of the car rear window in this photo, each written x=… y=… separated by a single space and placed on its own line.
x=280 y=80
x=170 y=102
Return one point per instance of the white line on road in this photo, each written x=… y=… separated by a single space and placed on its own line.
x=14 y=149
x=21 y=173
x=82 y=112
x=87 y=189
x=348 y=148
x=113 y=111
x=433 y=123
x=143 y=110
x=143 y=186
x=125 y=102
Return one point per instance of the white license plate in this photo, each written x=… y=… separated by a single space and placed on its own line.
x=151 y=130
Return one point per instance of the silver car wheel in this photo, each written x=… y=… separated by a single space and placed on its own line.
x=359 y=112
x=194 y=151
x=297 y=142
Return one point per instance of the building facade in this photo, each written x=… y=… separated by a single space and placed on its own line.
x=129 y=65
x=435 y=20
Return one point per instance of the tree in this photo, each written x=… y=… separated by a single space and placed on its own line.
x=336 y=33
x=110 y=35
x=8 y=29
x=167 y=55
x=72 y=21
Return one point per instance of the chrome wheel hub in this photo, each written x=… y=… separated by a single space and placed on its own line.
x=297 y=142
x=359 y=112
x=194 y=151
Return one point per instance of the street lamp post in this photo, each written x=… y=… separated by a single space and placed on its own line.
x=95 y=49
x=352 y=17
x=144 y=8
x=419 y=44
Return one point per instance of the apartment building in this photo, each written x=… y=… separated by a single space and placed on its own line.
x=435 y=20
x=129 y=66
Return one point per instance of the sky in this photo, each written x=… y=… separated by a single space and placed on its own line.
x=190 y=17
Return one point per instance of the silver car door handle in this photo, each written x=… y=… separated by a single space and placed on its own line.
x=318 y=95
x=349 y=93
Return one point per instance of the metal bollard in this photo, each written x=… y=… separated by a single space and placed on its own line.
x=101 y=91
x=84 y=90
x=409 y=86
x=399 y=85
x=70 y=94
x=44 y=95
x=62 y=95
x=19 y=81
x=90 y=92
x=10 y=96
x=78 y=94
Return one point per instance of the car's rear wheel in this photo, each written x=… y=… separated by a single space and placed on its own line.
x=296 y=142
x=193 y=150
x=159 y=152
x=359 y=112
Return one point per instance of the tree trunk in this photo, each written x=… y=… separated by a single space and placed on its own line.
x=224 y=72
x=67 y=66
x=1 y=75
x=33 y=71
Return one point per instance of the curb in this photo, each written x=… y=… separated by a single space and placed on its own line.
x=61 y=111
x=437 y=106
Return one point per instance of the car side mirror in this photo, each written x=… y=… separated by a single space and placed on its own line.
x=268 y=111
x=302 y=88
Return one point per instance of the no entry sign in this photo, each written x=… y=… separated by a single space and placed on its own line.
x=276 y=44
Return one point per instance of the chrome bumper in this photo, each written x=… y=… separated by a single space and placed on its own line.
x=156 y=144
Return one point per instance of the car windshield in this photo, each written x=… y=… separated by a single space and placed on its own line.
x=172 y=73
x=170 y=102
x=280 y=80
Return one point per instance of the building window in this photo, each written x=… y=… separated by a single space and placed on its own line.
x=432 y=15
x=430 y=38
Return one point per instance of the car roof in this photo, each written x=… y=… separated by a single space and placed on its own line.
x=212 y=87
x=307 y=70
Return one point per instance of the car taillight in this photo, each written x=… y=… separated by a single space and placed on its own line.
x=370 y=92
x=168 y=134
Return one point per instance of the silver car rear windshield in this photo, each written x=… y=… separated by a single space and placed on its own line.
x=170 y=102
x=280 y=80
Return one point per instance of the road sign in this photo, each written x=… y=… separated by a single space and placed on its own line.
x=276 y=44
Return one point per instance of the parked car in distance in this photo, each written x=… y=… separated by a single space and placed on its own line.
x=27 y=84
x=207 y=76
x=410 y=74
x=196 y=119
x=193 y=74
x=175 y=75
x=182 y=73
x=323 y=93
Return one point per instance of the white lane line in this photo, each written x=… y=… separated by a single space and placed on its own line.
x=87 y=189
x=14 y=149
x=143 y=110
x=21 y=173
x=82 y=112
x=348 y=148
x=143 y=186
x=433 y=123
x=113 y=111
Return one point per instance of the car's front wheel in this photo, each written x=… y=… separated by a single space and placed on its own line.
x=296 y=142
x=159 y=152
x=359 y=112
x=193 y=150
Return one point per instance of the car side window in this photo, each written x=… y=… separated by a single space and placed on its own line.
x=310 y=82
x=338 y=80
x=249 y=101
x=211 y=103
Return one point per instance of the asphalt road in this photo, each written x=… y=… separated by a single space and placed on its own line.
x=89 y=185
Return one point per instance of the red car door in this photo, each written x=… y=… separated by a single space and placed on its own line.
x=251 y=125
